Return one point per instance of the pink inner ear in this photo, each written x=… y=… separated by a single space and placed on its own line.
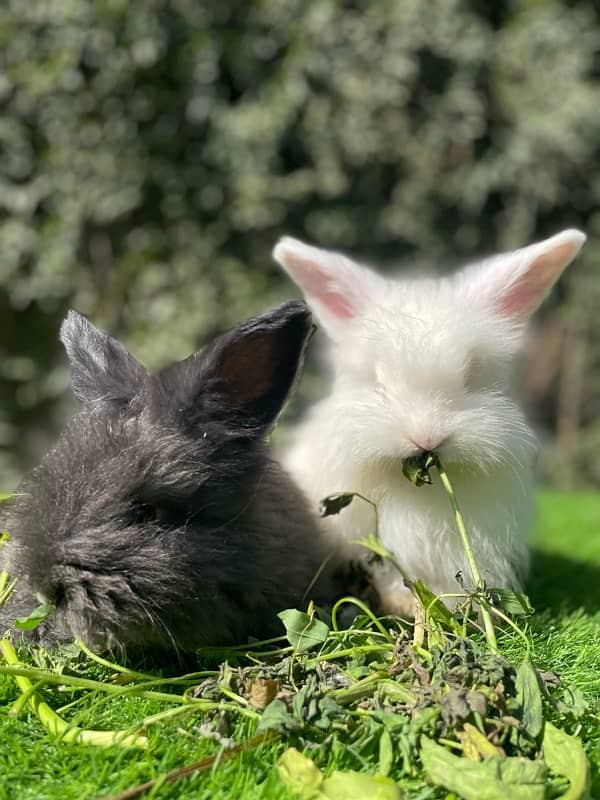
x=526 y=294
x=325 y=287
x=337 y=305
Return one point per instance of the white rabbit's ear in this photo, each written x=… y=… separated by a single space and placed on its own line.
x=518 y=282
x=336 y=289
x=102 y=370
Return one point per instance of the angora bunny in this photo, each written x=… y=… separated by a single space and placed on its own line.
x=159 y=519
x=421 y=365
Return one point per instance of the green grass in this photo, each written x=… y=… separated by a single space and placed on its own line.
x=565 y=633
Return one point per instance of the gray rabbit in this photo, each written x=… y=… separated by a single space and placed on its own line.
x=160 y=519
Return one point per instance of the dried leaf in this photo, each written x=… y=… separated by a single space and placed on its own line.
x=565 y=755
x=454 y=706
x=303 y=631
x=262 y=691
x=492 y=779
x=529 y=697
x=477 y=702
x=335 y=503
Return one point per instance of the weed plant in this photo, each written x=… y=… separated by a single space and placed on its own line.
x=381 y=709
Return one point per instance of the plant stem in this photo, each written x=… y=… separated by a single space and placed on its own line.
x=368 y=648
x=17 y=670
x=364 y=608
x=460 y=524
x=111 y=664
x=56 y=725
x=488 y=624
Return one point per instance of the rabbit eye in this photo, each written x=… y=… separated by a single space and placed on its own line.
x=143 y=513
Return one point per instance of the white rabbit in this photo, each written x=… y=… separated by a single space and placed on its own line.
x=423 y=364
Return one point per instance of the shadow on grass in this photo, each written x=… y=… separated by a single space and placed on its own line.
x=563 y=584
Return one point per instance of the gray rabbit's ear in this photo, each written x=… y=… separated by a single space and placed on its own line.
x=256 y=364
x=245 y=376
x=102 y=370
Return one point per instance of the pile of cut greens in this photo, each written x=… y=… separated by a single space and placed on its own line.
x=431 y=703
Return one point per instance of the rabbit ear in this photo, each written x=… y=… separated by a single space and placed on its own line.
x=101 y=368
x=246 y=374
x=518 y=282
x=335 y=287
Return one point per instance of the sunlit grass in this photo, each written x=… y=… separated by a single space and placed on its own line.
x=565 y=637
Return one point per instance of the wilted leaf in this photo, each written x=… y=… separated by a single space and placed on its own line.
x=416 y=468
x=492 y=779
x=515 y=603
x=476 y=746
x=299 y=774
x=357 y=786
x=529 y=697
x=303 y=631
x=262 y=691
x=276 y=717
x=454 y=706
x=37 y=616
x=477 y=702
x=397 y=692
x=565 y=755
x=335 y=503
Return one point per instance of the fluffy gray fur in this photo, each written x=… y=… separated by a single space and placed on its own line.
x=160 y=519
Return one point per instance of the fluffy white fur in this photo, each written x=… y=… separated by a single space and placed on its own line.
x=424 y=364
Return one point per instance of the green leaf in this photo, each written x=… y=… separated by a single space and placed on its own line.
x=436 y=609
x=573 y=702
x=375 y=545
x=515 y=603
x=529 y=697
x=357 y=786
x=492 y=779
x=303 y=778
x=476 y=746
x=565 y=755
x=299 y=774
x=276 y=717
x=386 y=752
x=335 y=503
x=37 y=616
x=416 y=468
x=303 y=631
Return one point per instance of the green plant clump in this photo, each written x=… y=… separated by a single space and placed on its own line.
x=392 y=708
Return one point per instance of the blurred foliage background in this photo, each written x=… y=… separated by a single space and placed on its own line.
x=152 y=152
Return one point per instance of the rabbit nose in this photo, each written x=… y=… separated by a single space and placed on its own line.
x=427 y=444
